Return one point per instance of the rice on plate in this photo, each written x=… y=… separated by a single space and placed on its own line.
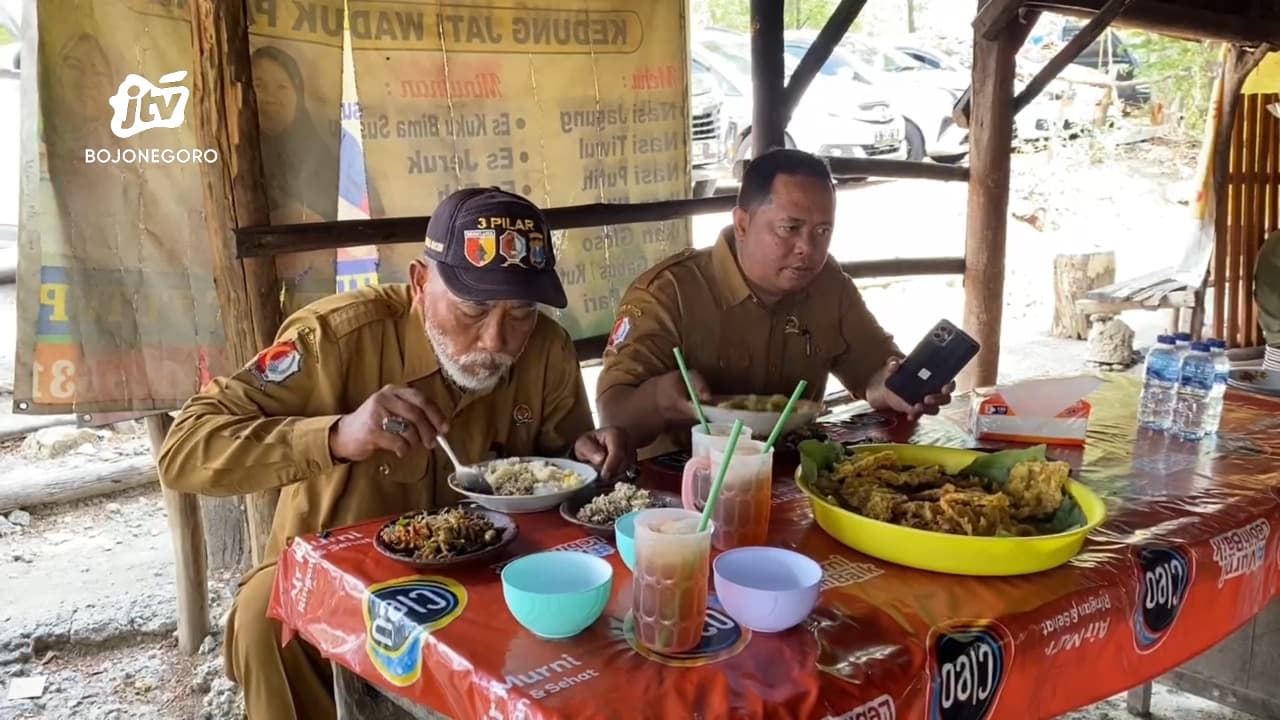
x=514 y=476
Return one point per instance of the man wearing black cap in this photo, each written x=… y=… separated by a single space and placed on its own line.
x=342 y=413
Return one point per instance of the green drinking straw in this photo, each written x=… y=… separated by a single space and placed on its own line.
x=786 y=413
x=697 y=406
x=714 y=495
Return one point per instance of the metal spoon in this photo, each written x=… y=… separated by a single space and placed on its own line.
x=467 y=477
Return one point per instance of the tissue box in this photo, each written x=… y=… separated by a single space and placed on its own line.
x=992 y=418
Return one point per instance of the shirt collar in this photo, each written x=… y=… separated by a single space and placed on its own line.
x=730 y=283
x=419 y=357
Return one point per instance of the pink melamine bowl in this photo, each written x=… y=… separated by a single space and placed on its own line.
x=767 y=589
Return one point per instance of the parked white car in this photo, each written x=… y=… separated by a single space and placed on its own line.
x=1069 y=101
x=829 y=121
x=924 y=99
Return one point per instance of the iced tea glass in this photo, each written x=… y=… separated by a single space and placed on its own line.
x=669 y=586
x=701 y=445
x=702 y=442
x=742 y=513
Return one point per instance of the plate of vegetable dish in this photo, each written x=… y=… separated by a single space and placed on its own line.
x=949 y=510
x=598 y=509
x=529 y=484
x=446 y=537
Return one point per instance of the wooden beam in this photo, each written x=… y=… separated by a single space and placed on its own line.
x=1181 y=20
x=268 y=240
x=995 y=16
x=590 y=349
x=1092 y=30
x=226 y=118
x=990 y=136
x=767 y=75
x=187 y=534
x=818 y=53
x=842 y=167
x=1021 y=31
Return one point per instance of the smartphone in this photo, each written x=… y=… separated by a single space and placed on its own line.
x=936 y=361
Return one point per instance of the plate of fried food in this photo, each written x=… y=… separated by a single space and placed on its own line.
x=597 y=509
x=949 y=510
x=529 y=484
x=761 y=413
x=446 y=537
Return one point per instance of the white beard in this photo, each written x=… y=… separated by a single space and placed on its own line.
x=454 y=367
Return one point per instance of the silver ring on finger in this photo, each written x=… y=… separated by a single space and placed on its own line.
x=395 y=425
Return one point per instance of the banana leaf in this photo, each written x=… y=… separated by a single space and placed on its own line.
x=817 y=456
x=995 y=467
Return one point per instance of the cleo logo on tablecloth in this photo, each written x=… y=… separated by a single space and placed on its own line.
x=722 y=638
x=968 y=662
x=1165 y=578
x=398 y=616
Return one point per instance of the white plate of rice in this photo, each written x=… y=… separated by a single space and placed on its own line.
x=530 y=484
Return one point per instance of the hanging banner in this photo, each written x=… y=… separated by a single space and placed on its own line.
x=568 y=102
x=565 y=102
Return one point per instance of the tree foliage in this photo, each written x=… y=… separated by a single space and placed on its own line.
x=797 y=14
x=1180 y=72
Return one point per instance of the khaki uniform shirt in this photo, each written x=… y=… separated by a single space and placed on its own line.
x=1266 y=288
x=247 y=433
x=700 y=301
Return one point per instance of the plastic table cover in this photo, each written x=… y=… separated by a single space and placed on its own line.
x=1186 y=556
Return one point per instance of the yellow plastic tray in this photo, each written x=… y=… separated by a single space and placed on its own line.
x=943 y=552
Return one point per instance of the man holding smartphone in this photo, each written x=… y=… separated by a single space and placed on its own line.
x=762 y=309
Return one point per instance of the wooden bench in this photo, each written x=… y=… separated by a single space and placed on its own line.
x=1154 y=291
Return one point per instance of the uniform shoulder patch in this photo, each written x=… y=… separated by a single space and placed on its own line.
x=646 y=278
x=277 y=363
x=621 y=329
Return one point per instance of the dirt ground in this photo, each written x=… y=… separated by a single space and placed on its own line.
x=88 y=598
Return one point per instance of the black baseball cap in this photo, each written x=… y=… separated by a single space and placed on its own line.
x=489 y=244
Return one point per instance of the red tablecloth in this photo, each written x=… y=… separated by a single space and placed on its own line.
x=1186 y=557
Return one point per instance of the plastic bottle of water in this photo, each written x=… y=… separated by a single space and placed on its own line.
x=1183 y=342
x=1195 y=384
x=1159 y=385
x=1222 y=370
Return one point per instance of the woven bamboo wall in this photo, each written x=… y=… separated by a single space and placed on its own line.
x=1253 y=187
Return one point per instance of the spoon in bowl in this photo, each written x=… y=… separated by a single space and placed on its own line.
x=467 y=477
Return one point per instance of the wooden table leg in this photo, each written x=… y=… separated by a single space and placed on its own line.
x=186 y=530
x=1138 y=701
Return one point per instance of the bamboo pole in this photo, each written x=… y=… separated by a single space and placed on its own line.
x=234 y=195
x=268 y=240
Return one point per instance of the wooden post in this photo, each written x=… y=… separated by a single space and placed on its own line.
x=1073 y=276
x=990 y=137
x=187 y=533
x=226 y=117
x=768 y=129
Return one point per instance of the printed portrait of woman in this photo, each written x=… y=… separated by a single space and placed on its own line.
x=300 y=165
